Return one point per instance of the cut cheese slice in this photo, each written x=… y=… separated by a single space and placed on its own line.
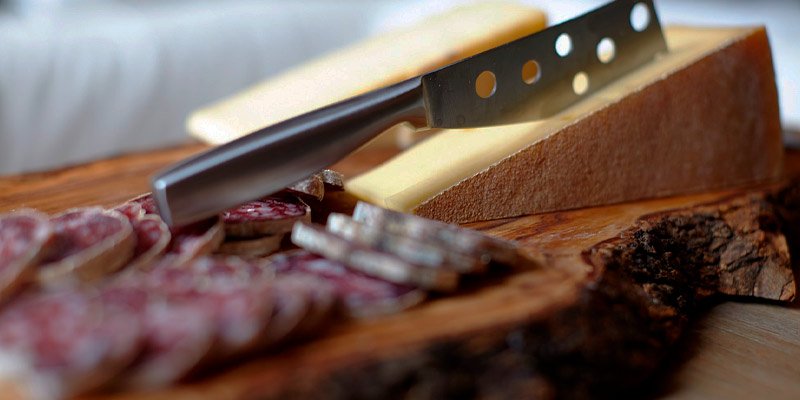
x=703 y=116
x=384 y=60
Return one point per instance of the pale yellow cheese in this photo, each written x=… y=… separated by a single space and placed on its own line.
x=702 y=116
x=378 y=62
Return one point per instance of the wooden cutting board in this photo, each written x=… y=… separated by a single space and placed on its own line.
x=736 y=350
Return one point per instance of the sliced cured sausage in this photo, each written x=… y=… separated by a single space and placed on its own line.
x=322 y=299
x=257 y=247
x=22 y=236
x=152 y=239
x=407 y=248
x=195 y=240
x=176 y=337
x=269 y=216
x=292 y=306
x=313 y=187
x=130 y=210
x=372 y=262
x=185 y=242
x=87 y=243
x=360 y=295
x=67 y=341
x=235 y=294
x=438 y=233
x=145 y=201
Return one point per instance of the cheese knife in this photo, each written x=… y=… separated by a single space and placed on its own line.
x=527 y=79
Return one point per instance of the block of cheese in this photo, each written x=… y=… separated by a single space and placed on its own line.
x=381 y=61
x=703 y=116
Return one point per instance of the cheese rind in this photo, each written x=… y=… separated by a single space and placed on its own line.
x=703 y=116
x=375 y=63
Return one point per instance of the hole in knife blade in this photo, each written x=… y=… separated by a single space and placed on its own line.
x=580 y=83
x=485 y=84
x=563 y=45
x=640 y=17
x=531 y=72
x=606 y=50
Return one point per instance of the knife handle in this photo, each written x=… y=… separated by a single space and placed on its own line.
x=274 y=157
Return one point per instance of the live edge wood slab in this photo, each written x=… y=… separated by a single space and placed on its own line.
x=630 y=298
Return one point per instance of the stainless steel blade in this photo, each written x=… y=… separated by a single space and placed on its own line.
x=531 y=80
x=451 y=98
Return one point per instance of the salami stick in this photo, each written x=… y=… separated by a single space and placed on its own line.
x=22 y=237
x=409 y=249
x=371 y=262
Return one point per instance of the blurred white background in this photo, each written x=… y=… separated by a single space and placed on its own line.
x=84 y=79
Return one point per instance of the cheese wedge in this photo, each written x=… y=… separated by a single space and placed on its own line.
x=701 y=117
x=378 y=62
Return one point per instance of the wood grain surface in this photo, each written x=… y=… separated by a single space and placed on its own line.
x=736 y=350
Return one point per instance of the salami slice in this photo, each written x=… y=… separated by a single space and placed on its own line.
x=87 y=243
x=22 y=236
x=195 y=240
x=176 y=335
x=269 y=216
x=334 y=181
x=152 y=238
x=291 y=308
x=360 y=295
x=258 y=247
x=130 y=210
x=409 y=249
x=312 y=187
x=372 y=262
x=68 y=340
x=145 y=201
x=184 y=242
x=235 y=294
x=322 y=299
x=447 y=236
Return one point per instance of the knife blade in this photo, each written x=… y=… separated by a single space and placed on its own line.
x=527 y=79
